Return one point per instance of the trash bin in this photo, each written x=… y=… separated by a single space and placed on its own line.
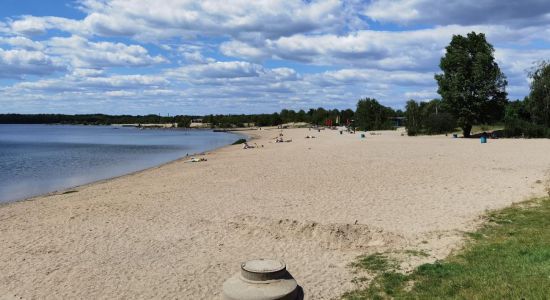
x=483 y=139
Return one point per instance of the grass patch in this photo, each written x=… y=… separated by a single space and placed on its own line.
x=375 y=262
x=508 y=258
x=419 y=253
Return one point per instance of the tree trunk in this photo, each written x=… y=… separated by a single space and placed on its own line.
x=466 y=129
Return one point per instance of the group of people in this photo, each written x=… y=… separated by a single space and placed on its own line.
x=280 y=139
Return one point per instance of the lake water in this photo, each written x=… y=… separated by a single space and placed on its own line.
x=37 y=159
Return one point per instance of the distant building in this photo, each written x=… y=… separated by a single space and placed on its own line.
x=398 y=121
x=198 y=123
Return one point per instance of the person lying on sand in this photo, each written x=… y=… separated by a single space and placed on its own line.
x=194 y=159
x=247 y=146
x=280 y=140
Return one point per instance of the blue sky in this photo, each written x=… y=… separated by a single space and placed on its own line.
x=241 y=56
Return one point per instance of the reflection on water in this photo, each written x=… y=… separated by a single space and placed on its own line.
x=36 y=159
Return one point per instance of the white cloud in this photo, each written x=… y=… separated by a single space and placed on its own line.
x=22 y=43
x=401 y=78
x=31 y=25
x=244 y=50
x=217 y=70
x=17 y=63
x=464 y=12
x=389 y=50
x=93 y=84
x=83 y=53
x=241 y=19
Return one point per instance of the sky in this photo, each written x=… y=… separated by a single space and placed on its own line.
x=241 y=56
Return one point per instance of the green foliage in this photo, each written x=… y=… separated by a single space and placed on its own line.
x=239 y=141
x=539 y=97
x=472 y=85
x=414 y=118
x=371 y=115
x=428 y=118
x=508 y=258
x=518 y=122
x=439 y=123
x=182 y=121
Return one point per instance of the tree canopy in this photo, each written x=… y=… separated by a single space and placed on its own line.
x=371 y=115
x=428 y=118
x=472 y=85
x=539 y=96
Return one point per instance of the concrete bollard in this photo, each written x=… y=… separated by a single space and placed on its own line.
x=262 y=279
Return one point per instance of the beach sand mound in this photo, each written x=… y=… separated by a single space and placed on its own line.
x=327 y=236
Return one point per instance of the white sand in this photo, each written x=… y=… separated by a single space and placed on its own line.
x=180 y=230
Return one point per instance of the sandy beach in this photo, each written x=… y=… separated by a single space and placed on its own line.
x=180 y=230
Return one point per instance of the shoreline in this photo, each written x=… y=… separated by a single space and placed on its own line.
x=69 y=189
x=180 y=230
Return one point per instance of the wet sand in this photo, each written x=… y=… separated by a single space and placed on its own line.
x=180 y=230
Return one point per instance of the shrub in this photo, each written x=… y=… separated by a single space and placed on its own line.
x=439 y=123
x=239 y=141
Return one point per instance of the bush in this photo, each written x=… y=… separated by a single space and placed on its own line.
x=439 y=123
x=239 y=141
x=412 y=132
x=521 y=128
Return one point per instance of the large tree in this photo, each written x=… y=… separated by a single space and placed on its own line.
x=539 y=97
x=371 y=115
x=472 y=86
x=414 y=116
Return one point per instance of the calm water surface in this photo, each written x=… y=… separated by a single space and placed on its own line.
x=37 y=159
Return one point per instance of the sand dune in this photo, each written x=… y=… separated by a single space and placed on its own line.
x=180 y=230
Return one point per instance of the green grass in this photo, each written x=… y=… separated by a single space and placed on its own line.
x=375 y=262
x=419 y=253
x=508 y=258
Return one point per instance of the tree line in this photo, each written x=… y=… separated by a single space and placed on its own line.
x=370 y=115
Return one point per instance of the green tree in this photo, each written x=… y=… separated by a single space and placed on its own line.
x=539 y=97
x=414 y=116
x=472 y=85
x=371 y=115
x=182 y=121
x=318 y=116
